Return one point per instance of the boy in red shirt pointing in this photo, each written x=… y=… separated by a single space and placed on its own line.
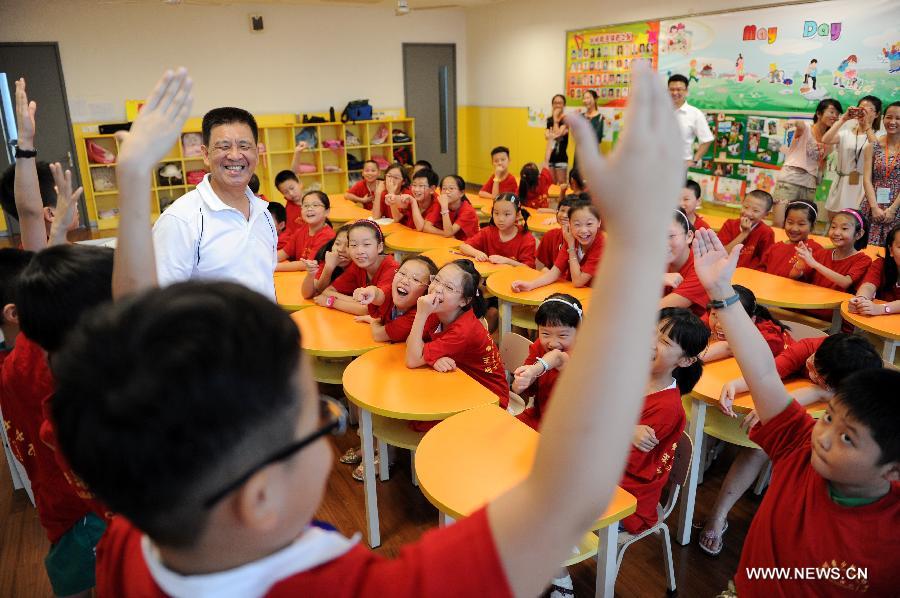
x=833 y=505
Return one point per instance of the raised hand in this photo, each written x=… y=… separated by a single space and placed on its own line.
x=25 y=111
x=713 y=264
x=65 y=216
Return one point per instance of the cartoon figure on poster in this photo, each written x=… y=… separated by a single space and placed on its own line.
x=892 y=57
x=845 y=76
x=677 y=39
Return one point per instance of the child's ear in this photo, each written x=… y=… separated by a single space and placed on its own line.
x=892 y=473
x=11 y=314
x=687 y=361
x=257 y=503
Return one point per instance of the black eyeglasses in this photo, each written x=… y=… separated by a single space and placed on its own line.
x=336 y=415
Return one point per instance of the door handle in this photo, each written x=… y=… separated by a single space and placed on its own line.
x=69 y=156
x=443 y=105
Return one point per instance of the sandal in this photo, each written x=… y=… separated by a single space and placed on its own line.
x=712 y=536
x=561 y=587
x=351 y=457
x=358 y=473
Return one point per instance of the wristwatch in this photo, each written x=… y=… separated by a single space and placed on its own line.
x=22 y=153
x=329 y=303
x=887 y=308
x=722 y=304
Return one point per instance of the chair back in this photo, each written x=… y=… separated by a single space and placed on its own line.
x=800 y=331
x=514 y=350
x=681 y=465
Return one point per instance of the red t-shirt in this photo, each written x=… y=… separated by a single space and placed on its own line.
x=874 y=275
x=386 y=209
x=293 y=217
x=360 y=189
x=507 y=185
x=549 y=247
x=396 y=325
x=354 y=277
x=854 y=266
x=793 y=358
x=755 y=245
x=466 y=342
x=25 y=381
x=537 y=198
x=589 y=262
x=690 y=288
x=283 y=237
x=799 y=525
x=520 y=248
x=699 y=222
x=427 y=215
x=779 y=259
x=646 y=473
x=777 y=339
x=465 y=216
x=302 y=246
x=457 y=560
x=541 y=388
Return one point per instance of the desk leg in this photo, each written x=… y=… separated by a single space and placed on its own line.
x=368 y=460
x=889 y=350
x=505 y=318
x=444 y=520
x=836 y=321
x=607 y=551
x=686 y=508
x=399 y=256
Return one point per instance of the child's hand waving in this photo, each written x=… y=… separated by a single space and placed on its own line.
x=713 y=264
x=65 y=216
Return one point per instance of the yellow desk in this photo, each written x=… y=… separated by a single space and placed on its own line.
x=380 y=383
x=287 y=291
x=500 y=285
x=412 y=241
x=780 y=236
x=473 y=457
x=873 y=251
x=479 y=202
x=542 y=222
x=886 y=327
x=344 y=210
x=445 y=256
x=715 y=221
x=785 y=292
x=706 y=393
x=393 y=227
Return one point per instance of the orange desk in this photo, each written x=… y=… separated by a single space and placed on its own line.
x=874 y=251
x=344 y=210
x=707 y=393
x=780 y=236
x=393 y=227
x=500 y=285
x=379 y=382
x=472 y=458
x=541 y=222
x=785 y=292
x=445 y=256
x=886 y=327
x=715 y=221
x=411 y=241
x=479 y=202
x=287 y=291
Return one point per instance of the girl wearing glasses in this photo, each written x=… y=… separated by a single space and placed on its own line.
x=456 y=218
x=315 y=231
x=391 y=191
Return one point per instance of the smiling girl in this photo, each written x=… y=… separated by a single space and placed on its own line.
x=843 y=267
x=392 y=310
x=456 y=218
x=363 y=191
x=503 y=241
x=310 y=236
x=780 y=258
x=682 y=287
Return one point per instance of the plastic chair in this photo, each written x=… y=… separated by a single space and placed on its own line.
x=514 y=351
x=799 y=330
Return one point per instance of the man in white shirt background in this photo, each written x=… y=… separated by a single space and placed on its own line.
x=691 y=120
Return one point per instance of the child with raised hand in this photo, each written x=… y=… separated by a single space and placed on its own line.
x=690 y=202
x=749 y=231
x=392 y=309
x=423 y=205
x=841 y=469
x=557 y=319
x=331 y=261
x=780 y=258
x=502 y=180
x=503 y=241
x=456 y=217
x=682 y=288
x=881 y=282
x=578 y=260
x=777 y=335
x=309 y=237
x=553 y=240
x=369 y=266
x=363 y=190
x=258 y=469
x=394 y=191
x=843 y=267
x=291 y=189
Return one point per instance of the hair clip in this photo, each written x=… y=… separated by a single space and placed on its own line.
x=856 y=215
x=684 y=217
x=809 y=205
x=577 y=309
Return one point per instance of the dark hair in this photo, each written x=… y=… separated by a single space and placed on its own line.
x=559 y=313
x=681 y=218
x=46 y=185
x=575 y=176
x=810 y=209
x=320 y=254
x=891 y=105
x=583 y=205
x=676 y=78
x=323 y=197
x=870 y=398
x=60 y=284
x=694 y=186
x=889 y=272
x=841 y=354
x=471 y=287
x=517 y=204
x=284 y=176
x=369 y=225
x=529 y=179
x=559 y=95
x=253 y=184
x=823 y=106
x=402 y=169
x=859 y=223
x=876 y=103
x=754 y=309
x=500 y=149
x=429 y=263
x=12 y=263
x=763 y=195
x=227 y=116
x=427 y=173
x=814 y=60
x=685 y=328
x=277 y=210
x=424 y=163
x=567 y=201
x=591 y=93
x=370 y=161
x=125 y=422
x=459 y=183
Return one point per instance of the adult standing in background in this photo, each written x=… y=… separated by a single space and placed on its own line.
x=882 y=178
x=592 y=112
x=691 y=120
x=558 y=132
x=848 y=190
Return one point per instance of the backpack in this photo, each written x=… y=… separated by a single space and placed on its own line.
x=402 y=155
x=357 y=110
x=307 y=134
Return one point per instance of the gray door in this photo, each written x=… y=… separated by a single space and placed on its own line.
x=40 y=65
x=429 y=84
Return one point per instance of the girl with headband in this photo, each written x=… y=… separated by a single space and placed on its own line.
x=781 y=258
x=682 y=288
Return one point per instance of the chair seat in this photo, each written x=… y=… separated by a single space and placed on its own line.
x=587 y=548
x=395 y=432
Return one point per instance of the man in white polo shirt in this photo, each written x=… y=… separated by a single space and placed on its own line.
x=220 y=230
x=691 y=120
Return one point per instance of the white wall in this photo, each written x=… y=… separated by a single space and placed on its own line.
x=517 y=48
x=308 y=58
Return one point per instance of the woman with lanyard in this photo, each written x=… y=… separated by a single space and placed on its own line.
x=593 y=116
x=805 y=159
x=881 y=178
x=847 y=191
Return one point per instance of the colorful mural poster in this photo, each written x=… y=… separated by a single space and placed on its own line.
x=600 y=59
x=786 y=58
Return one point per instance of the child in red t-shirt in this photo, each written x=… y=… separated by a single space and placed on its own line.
x=502 y=181
x=749 y=230
x=456 y=217
x=422 y=206
x=279 y=216
x=291 y=188
x=691 y=202
x=534 y=185
x=579 y=259
x=363 y=190
x=833 y=499
x=502 y=241
x=557 y=321
x=777 y=335
x=394 y=191
x=553 y=241
x=332 y=259
x=300 y=251
x=780 y=258
x=881 y=281
x=682 y=288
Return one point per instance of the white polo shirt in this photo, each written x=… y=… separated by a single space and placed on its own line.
x=200 y=237
x=693 y=124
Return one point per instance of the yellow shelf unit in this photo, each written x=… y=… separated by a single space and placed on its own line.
x=327 y=168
